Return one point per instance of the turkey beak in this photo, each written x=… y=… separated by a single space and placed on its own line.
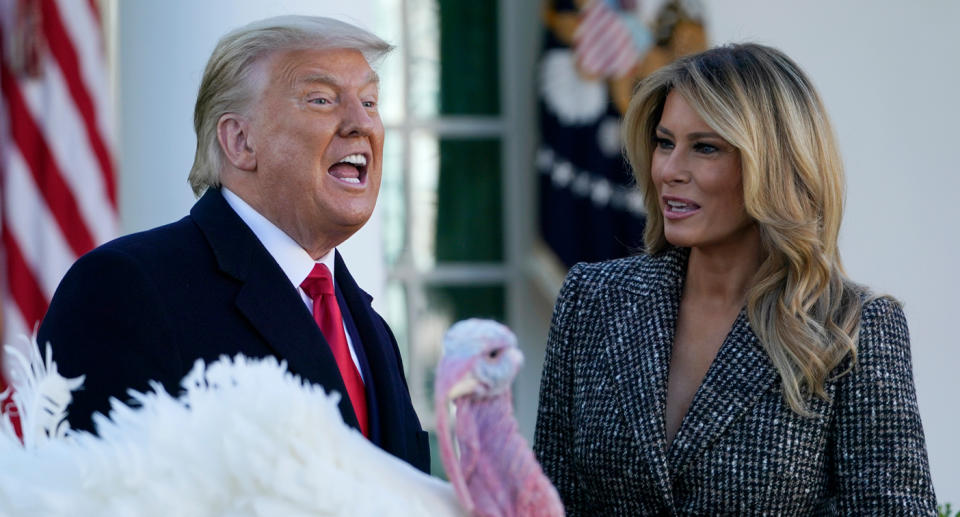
x=465 y=386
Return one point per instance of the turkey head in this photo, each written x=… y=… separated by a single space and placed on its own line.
x=495 y=473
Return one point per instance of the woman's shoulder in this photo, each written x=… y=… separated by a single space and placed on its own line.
x=638 y=272
x=876 y=309
x=882 y=336
x=882 y=323
x=880 y=308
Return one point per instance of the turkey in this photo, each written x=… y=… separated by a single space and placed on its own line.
x=496 y=473
x=245 y=439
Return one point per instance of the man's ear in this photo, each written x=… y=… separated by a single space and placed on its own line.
x=233 y=132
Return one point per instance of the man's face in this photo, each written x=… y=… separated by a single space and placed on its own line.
x=318 y=142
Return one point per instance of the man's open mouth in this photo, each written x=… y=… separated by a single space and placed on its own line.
x=350 y=169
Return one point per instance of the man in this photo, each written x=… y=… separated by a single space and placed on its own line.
x=288 y=163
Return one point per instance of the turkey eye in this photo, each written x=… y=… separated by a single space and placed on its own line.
x=493 y=354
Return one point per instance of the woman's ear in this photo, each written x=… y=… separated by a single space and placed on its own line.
x=233 y=133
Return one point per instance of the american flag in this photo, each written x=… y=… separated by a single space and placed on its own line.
x=603 y=44
x=58 y=194
x=589 y=210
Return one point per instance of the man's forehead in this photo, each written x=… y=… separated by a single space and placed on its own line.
x=335 y=67
x=319 y=76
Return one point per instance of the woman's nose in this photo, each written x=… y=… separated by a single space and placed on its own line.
x=672 y=168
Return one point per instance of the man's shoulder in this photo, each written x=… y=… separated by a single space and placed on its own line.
x=205 y=216
x=166 y=247
x=162 y=239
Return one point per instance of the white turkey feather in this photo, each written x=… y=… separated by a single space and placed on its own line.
x=245 y=439
x=39 y=386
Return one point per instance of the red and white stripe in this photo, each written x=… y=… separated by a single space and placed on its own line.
x=603 y=45
x=58 y=194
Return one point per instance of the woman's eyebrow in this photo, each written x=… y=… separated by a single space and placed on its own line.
x=703 y=134
x=690 y=136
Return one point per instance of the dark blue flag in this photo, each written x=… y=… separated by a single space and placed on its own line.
x=592 y=57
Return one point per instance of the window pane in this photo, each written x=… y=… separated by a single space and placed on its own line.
x=469 y=59
x=392 y=200
x=424 y=175
x=458 y=302
x=423 y=46
x=469 y=220
x=397 y=317
x=388 y=25
x=455 y=198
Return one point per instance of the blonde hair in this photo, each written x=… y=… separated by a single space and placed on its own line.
x=801 y=305
x=226 y=86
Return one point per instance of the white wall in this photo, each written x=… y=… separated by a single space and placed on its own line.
x=888 y=72
x=161 y=50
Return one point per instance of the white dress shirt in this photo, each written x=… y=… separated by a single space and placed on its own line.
x=295 y=262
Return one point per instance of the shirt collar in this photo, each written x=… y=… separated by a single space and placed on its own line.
x=295 y=262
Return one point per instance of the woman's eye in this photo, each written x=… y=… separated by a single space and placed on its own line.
x=706 y=148
x=663 y=143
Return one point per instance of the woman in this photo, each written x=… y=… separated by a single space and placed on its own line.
x=734 y=368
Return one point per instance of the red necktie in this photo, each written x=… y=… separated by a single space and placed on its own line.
x=319 y=287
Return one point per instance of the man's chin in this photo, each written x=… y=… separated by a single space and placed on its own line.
x=343 y=227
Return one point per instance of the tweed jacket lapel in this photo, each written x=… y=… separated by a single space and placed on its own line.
x=638 y=358
x=638 y=342
x=739 y=375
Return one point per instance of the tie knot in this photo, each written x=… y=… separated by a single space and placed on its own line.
x=318 y=283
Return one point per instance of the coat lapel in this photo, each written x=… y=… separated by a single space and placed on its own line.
x=267 y=299
x=396 y=420
x=639 y=340
x=739 y=375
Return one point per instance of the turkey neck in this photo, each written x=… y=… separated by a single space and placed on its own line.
x=492 y=416
x=495 y=458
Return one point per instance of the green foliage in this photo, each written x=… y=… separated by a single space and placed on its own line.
x=946 y=510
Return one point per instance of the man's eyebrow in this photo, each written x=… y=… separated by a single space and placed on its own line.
x=332 y=80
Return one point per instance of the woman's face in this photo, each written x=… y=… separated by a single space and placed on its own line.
x=698 y=180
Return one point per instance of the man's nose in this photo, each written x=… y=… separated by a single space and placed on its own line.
x=357 y=120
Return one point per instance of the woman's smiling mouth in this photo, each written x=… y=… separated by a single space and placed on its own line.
x=678 y=208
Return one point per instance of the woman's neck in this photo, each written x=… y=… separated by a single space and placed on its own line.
x=722 y=274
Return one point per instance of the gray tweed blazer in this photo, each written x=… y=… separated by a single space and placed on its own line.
x=740 y=449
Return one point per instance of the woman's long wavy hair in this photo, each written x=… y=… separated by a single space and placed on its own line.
x=801 y=305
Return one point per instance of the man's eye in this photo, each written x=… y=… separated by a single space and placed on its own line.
x=369 y=104
x=319 y=100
